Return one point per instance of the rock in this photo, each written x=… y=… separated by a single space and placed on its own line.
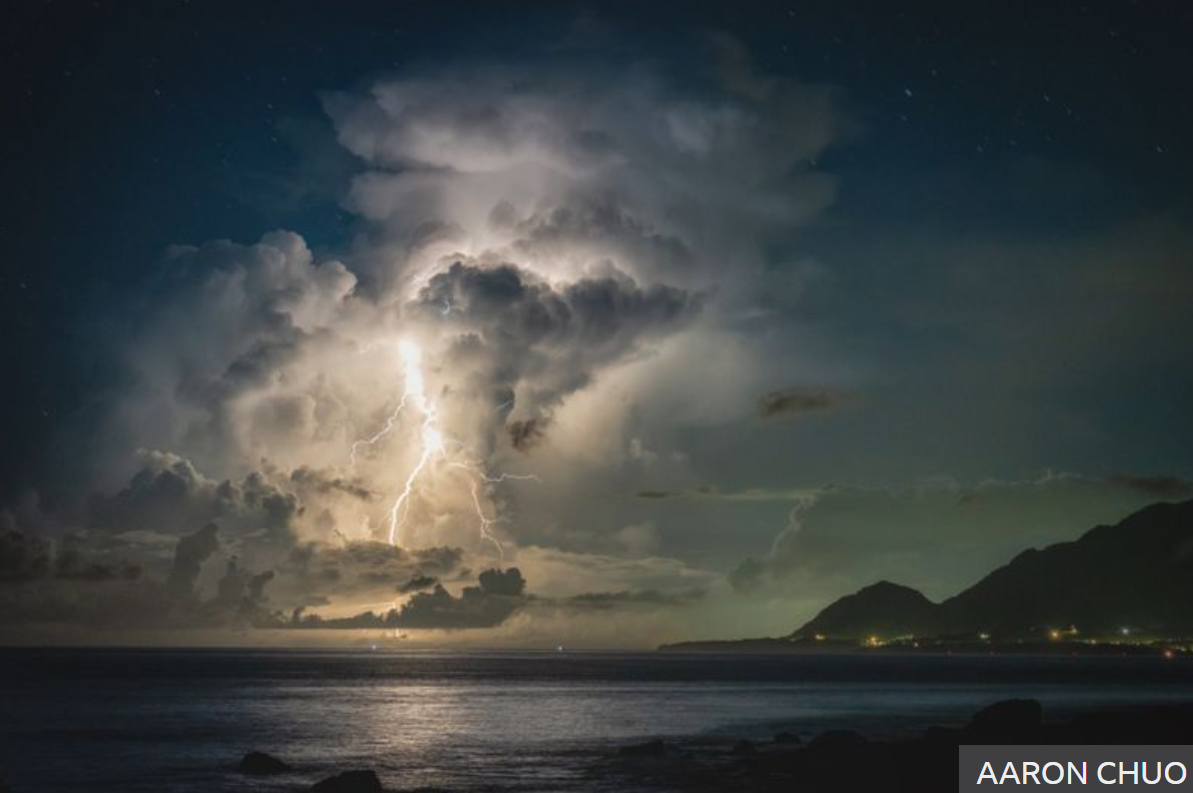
x=4 y=788
x=259 y=763
x=1011 y=718
x=648 y=749
x=349 y=782
x=787 y=738
x=837 y=741
x=941 y=735
x=744 y=747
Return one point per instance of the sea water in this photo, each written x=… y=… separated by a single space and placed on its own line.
x=179 y=720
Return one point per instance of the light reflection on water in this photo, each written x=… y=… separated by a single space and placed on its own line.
x=158 y=720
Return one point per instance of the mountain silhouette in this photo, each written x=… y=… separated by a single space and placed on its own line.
x=1136 y=574
x=882 y=609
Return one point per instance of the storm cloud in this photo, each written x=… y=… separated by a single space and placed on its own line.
x=555 y=292
x=22 y=558
x=538 y=343
x=497 y=596
x=359 y=568
x=169 y=495
x=190 y=554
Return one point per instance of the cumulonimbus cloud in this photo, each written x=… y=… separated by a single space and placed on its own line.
x=533 y=232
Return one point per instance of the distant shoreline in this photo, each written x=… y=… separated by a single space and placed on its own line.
x=924 y=647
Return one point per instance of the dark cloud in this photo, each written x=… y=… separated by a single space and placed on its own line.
x=798 y=401
x=630 y=598
x=508 y=582
x=74 y=565
x=525 y=434
x=299 y=619
x=240 y=596
x=700 y=491
x=323 y=481
x=189 y=555
x=417 y=584
x=498 y=595
x=169 y=495
x=358 y=567
x=23 y=558
x=513 y=305
x=537 y=342
x=80 y=589
x=1166 y=487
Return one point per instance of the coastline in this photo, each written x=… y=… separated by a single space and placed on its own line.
x=928 y=647
x=844 y=759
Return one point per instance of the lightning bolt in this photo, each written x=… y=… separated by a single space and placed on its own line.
x=387 y=429
x=429 y=434
x=433 y=446
x=485 y=523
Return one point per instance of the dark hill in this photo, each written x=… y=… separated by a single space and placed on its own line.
x=882 y=609
x=1137 y=573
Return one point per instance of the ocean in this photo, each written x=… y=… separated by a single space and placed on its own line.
x=179 y=720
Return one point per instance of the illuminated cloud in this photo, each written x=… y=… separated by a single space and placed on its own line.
x=497 y=596
x=519 y=337
x=601 y=271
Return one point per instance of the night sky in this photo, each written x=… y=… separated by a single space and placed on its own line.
x=775 y=301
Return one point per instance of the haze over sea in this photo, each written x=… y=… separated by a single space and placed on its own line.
x=154 y=720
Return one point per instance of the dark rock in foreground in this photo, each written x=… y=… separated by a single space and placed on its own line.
x=788 y=738
x=259 y=763
x=744 y=747
x=349 y=782
x=837 y=741
x=648 y=749
x=843 y=760
x=1004 y=721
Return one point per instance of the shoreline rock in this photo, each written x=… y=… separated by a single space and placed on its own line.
x=261 y=764
x=356 y=781
x=846 y=760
